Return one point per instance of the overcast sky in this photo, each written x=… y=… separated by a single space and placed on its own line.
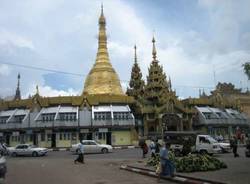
x=199 y=42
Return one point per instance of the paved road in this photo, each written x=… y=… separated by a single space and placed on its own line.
x=58 y=168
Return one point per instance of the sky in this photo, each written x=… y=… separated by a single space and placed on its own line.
x=199 y=43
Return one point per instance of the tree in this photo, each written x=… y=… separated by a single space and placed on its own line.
x=246 y=67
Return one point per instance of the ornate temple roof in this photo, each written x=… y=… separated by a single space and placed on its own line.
x=102 y=78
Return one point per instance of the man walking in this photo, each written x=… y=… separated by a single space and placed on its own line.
x=80 y=157
x=167 y=167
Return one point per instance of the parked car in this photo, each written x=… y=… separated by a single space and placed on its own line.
x=3 y=168
x=91 y=146
x=27 y=150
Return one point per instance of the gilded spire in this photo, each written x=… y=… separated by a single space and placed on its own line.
x=102 y=53
x=18 y=93
x=154 y=49
x=135 y=54
x=102 y=78
x=37 y=90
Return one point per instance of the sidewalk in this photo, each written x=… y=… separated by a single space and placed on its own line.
x=237 y=172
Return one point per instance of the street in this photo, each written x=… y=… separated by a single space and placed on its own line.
x=58 y=168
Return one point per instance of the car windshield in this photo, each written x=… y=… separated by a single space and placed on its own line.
x=212 y=140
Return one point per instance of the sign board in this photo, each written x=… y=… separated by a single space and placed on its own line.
x=84 y=131
x=103 y=130
x=15 y=133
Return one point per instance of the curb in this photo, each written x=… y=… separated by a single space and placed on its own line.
x=59 y=149
x=177 y=178
x=115 y=147
x=124 y=147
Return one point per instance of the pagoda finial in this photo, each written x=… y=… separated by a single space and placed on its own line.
x=135 y=54
x=37 y=90
x=102 y=9
x=102 y=53
x=18 y=93
x=170 y=84
x=154 y=49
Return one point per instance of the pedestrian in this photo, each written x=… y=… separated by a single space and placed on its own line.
x=80 y=157
x=144 y=149
x=152 y=147
x=234 y=145
x=157 y=147
x=167 y=167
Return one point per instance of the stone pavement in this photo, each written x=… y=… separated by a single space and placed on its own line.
x=238 y=170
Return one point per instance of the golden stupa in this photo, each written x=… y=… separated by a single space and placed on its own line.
x=102 y=78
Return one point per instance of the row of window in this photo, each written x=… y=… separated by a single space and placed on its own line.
x=122 y=116
x=102 y=115
x=17 y=119
x=22 y=138
x=67 y=116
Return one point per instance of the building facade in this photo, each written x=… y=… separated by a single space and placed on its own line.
x=101 y=112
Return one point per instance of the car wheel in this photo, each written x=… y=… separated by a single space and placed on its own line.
x=203 y=152
x=105 y=150
x=34 y=154
x=14 y=154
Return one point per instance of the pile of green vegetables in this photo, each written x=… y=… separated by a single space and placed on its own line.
x=191 y=162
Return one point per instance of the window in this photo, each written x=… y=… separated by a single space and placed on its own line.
x=48 y=137
x=100 y=136
x=61 y=136
x=73 y=136
x=91 y=143
x=43 y=137
x=20 y=147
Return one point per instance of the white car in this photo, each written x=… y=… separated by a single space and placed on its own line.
x=27 y=149
x=91 y=146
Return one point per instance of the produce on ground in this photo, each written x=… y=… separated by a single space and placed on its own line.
x=191 y=162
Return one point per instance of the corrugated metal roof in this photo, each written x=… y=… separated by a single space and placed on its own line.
x=102 y=109
x=49 y=110
x=67 y=109
x=6 y=113
x=203 y=109
x=21 y=112
x=123 y=108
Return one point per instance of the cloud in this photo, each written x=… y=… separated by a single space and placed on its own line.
x=7 y=38
x=61 y=35
x=48 y=91
x=4 y=70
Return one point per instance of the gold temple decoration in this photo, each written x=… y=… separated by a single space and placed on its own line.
x=154 y=49
x=102 y=78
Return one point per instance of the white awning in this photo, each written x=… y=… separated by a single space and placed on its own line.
x=123 y=108
x=204 y=109
x=21 y=112
x=68 y=109
x=49 y=110
x=7 y=113
x=101 y=109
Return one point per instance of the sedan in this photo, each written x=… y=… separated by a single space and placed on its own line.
x=91 y=146
x=27 y=149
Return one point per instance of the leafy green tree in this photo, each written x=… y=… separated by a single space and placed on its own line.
x=246 y=67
